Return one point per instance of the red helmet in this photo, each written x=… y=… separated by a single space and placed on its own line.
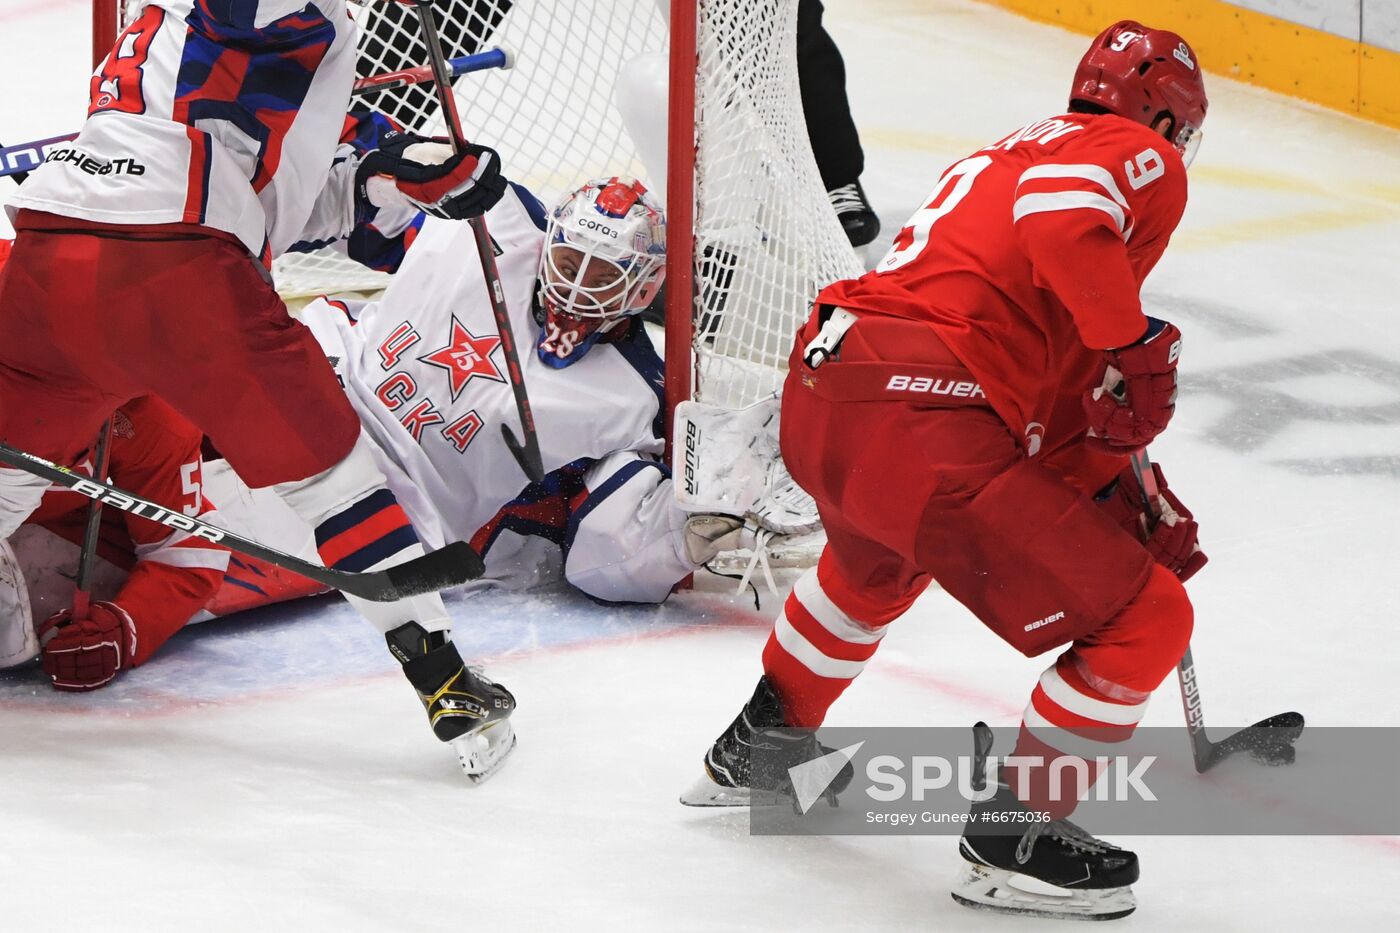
x=1141 y=74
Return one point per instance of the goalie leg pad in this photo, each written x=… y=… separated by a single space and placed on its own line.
x=731 y=466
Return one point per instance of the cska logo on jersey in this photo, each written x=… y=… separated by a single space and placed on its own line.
x=465 y=357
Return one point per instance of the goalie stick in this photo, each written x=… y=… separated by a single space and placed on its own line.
x=18 y=160
x=1269 y=740
x=526 y=454
x=447 y=567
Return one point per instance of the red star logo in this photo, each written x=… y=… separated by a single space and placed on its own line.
x=465 y=357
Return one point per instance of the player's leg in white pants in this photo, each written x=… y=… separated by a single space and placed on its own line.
x=359 y=527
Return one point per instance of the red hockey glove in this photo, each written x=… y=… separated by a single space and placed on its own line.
x=1138 y=396
x=1172 y=541
x=87 y=654
x=430 y=176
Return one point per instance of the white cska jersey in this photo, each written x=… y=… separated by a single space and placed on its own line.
x=217 y=113
x=424 y=369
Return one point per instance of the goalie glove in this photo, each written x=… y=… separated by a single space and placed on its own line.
x=427 y=174
x=85 y=654
x=1172 y=540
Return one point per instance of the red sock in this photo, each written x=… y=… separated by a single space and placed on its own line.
x=1090 y=700
x=815 y=651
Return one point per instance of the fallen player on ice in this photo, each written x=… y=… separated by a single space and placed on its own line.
x=422 y=367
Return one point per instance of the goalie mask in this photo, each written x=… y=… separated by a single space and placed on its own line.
x=603 y=261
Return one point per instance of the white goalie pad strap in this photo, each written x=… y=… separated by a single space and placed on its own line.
x=785 y=507
x=18 y=643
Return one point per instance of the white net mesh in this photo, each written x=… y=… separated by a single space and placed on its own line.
x=766 y=237
x=550 y=117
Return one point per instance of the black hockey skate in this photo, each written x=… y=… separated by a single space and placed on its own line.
x=466 y=710
x=857 y=217
x=1092 y=878
x=730 y=773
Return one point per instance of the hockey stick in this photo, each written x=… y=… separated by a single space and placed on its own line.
x=450 y=566
x=1269 y=740
x=20 y=159
x=528 y=453
x=88 y=554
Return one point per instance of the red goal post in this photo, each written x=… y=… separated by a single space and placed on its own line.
x=698 y=98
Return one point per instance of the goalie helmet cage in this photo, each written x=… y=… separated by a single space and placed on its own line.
x=752 y=236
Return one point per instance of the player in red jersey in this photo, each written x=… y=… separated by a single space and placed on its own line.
x=963 y=413
x=172 y=575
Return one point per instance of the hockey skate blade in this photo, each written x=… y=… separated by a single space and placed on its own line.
x=706 y=793
x=482 y=753
x=982 y=887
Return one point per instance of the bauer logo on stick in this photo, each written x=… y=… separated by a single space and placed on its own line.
x=148 y=511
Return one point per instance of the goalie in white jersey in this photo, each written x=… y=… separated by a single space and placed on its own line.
x=421 y=367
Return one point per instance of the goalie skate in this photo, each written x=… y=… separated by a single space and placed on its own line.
x=466 y=709
x=481 y=753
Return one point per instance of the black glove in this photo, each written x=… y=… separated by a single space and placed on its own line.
x=430 y=176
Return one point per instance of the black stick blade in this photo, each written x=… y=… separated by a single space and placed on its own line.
x=442 y=569
x=1269 y=740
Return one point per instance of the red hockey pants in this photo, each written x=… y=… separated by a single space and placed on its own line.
x=93 y=317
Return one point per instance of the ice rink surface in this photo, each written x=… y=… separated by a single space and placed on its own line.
x=275 y=773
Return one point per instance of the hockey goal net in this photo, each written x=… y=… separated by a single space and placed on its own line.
x=588 y=96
